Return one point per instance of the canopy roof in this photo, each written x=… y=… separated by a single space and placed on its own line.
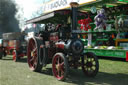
x=103 y=3
x=59 y=16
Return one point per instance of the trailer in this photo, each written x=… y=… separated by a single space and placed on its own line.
x=111 y=40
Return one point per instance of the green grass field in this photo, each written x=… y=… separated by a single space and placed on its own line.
x=111 y=72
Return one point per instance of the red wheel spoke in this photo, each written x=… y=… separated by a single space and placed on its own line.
x=35 y=59
x=32 y=45
x=34 y=50
x=62 y=64
x=62 y=69
x=32 y=58
x=58 y=73
x=35 y=62
x=58 y=61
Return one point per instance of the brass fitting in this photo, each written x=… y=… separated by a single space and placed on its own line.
x=74 y=4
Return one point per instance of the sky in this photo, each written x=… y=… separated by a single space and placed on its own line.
x=26 y=9
x=29 y=6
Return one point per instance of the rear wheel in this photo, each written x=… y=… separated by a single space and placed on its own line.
x=59 y=66
x=90 y=64
x=15 y=56
x=0 y=55
x=33 y=55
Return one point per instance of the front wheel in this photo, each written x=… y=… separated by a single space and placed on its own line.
x=59 y=66
x=90 y=64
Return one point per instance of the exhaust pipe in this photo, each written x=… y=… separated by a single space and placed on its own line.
x=74 y=6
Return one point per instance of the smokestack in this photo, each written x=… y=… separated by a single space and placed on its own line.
x=74 y=6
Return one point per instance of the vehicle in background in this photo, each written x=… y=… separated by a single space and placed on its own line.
x=15 y=44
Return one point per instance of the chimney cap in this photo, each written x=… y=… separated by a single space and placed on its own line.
x=74 y=4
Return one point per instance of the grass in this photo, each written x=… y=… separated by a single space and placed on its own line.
x=111 y=72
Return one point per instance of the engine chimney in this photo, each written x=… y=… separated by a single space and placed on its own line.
x=74 y=6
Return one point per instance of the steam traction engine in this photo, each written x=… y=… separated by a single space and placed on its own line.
x=60 y=45
x=15 y=44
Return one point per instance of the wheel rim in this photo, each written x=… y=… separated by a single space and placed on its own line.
x=58 y=67
x=32 y=54
x=90 y=65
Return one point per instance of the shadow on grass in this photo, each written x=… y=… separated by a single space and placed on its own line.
x=77 y=77
x=112 y=58
x=10 y=58
x=22 y=60
x=7 y=58
x=47 y=71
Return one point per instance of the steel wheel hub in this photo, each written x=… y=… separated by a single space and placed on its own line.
x=89 y=64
